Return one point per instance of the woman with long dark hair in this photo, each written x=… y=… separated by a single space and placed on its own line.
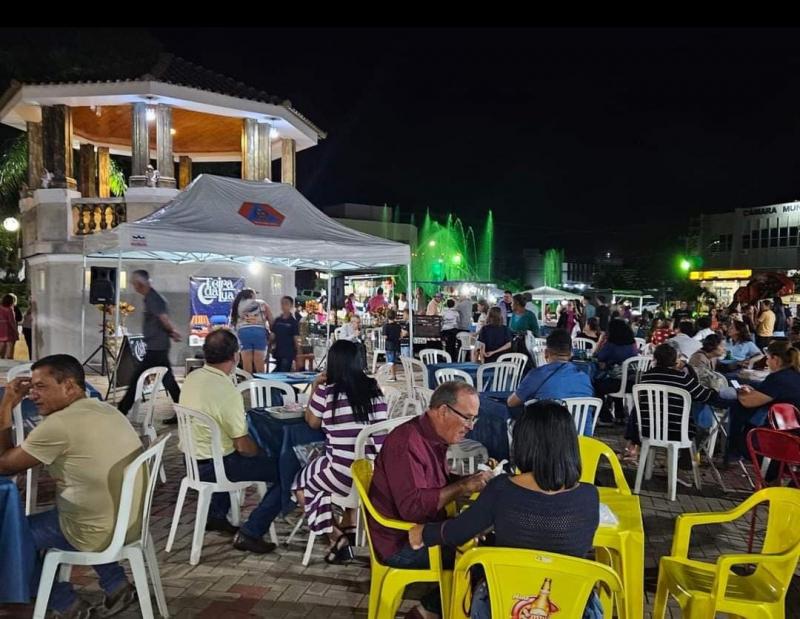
x=614 y=348
x=251 y=319
x=344 y=400
x=543 y=507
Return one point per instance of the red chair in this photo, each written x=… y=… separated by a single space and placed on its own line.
x=783 y=448
x=784 y=417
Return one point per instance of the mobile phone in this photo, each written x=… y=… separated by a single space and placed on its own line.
x=735 y=384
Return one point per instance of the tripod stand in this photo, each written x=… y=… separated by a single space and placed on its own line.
x=105 y=353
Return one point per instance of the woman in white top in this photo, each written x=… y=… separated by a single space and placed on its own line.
x=251 y=318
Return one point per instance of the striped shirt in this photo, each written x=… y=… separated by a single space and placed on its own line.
x=685 y=378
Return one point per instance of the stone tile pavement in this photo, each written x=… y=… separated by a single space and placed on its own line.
x=230 y=584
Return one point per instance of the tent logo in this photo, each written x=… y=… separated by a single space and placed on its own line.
x=261 y=214
x=138 y=240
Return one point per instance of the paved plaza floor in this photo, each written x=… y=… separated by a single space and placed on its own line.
x=230 y=584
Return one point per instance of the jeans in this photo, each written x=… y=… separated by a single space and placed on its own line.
x=47 y=534
x=283 y=365
x=152 y=358
x=408 y=558
x=242 y=468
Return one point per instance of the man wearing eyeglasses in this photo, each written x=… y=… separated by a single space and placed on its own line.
x=412 y=483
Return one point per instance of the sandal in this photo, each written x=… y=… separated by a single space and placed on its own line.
x=340 y=551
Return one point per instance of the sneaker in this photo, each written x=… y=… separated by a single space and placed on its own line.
x=116 y=602
x=80 y=609
x=252 y=544
x=222 y=525
x=171 y=421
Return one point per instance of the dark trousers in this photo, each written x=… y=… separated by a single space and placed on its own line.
x=243 y=468
x=152 y=358
x=408 y=558
x=27 y=332
x=283 y=365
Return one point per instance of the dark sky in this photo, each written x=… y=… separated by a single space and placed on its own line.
x=587 y=136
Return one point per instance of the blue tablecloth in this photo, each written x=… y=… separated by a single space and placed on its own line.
x=284 y=377
x=469 y=368
x=18 y=565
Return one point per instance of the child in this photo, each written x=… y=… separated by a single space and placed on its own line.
x=393 y=333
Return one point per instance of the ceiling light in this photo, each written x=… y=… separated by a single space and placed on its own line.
x=151 y=114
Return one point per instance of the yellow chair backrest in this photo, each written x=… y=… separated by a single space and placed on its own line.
x=523 y=583
x=782 y=536
x=591 y=452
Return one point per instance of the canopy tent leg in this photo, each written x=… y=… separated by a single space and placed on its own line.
x=641 y=303
x=409 y=305
x=328 y=312
x=83 y=312
x=117 y=292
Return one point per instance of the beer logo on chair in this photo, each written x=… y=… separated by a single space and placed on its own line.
x=261 y=214
x=535 y=606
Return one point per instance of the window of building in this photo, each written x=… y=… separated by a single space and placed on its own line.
x=793 y=236
x=784 y=236
x=745 y=241
x=764 y=237
x=773 y=236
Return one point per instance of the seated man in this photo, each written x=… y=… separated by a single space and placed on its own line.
x=683 y=341
x=85 y=445
x=411 y=480
x=210 y=391
x=557 y=379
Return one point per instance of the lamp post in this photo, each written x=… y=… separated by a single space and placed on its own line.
x=11 y=224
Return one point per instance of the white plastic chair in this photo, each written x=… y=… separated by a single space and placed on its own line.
x=519 y=360
x=463 y=457
x=416 y=375
x=18 y=426
x=186 y=419
x=240 y=375
x=540 y=342
x=538 y=356
x=504 y=377
x=467 y=345
x=392 y=395
x=652 y=404
x=23 y=369
x=429 y=356
x=260 y=391
x=378 y=350
x=584 y=343
x=581 y=408
x=641 y=343
x=141 y=552
x=640 y=365
x=451 y=374
x=144 y=408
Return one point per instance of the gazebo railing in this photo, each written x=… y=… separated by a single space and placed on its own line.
x=91 y=215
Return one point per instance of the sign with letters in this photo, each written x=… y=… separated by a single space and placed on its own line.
x=210 y=303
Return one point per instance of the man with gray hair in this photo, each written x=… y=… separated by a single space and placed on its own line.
x=411 y=481
x=158 y=331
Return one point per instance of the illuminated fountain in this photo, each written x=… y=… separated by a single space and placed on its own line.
x=449 y=251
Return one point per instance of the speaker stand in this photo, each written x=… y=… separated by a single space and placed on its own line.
x=103 y=350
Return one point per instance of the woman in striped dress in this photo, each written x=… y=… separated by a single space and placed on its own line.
x=344 y=400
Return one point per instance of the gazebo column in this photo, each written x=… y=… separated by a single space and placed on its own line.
x=103 y=172
x=184 y=171
x=57 y=145
x=140 y=145
x=264 y=152
x=288 y=153
x=165 y=162
x=35 y=161
x=87 y=185
x=249 y=149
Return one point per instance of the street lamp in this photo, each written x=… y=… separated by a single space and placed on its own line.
x=11 y=224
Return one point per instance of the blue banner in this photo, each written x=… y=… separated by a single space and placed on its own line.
x=210 y=300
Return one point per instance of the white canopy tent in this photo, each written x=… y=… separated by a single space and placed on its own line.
x=220 y=219
x=545 y=294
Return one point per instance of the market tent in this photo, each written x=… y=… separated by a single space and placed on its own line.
x=227 y=219
x=545 y=294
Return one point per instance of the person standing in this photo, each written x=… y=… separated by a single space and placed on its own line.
x=252 y=319
x=589 y=311
x=506 y=306
x=285 y=337
x=419 y=301
x=521 y=320
x=680 y=314
x=393 y=332
x=402 y=303
x=9 y=334
x=27 y=328
x=158 y=331
x=765 y=324
x=377 y=302
x=603 y=313
x=433 y=306
x=350 y=305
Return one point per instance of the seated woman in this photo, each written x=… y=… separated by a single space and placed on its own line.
x=670 y=371
x=494 y=338
x=781 y=386
x=344 y=401
x=740 y=345
x=703 y=361
x=592 y=330
x=612 y=350
x=543 y=507
x=659 y=332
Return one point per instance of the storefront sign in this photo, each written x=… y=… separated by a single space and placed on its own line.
x=729 y=274
x=772 y=210
x=210 y=300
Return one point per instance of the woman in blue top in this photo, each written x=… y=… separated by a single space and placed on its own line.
x=781 y=386
x=614 y=348
x=520 y=319
x=544 y=507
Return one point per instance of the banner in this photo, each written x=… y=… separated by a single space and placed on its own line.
x=210 y=304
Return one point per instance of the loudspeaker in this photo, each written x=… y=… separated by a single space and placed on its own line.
x=337 y=292
x=103 y=285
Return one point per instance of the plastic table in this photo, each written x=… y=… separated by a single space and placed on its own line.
x=18 y=566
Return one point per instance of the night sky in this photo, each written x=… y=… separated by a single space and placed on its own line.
x=598 y=138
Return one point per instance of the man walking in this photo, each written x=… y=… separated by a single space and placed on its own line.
x=158 y=331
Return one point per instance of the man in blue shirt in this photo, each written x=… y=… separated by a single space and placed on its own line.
x=285 y=337
x=557 y=379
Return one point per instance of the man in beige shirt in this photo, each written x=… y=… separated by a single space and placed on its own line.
x=765 y=324
x=85 y=446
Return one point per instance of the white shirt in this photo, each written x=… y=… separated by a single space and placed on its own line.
x=450 y=319
x=686 y=345
x=703 y=333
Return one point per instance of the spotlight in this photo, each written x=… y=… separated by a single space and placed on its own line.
x=254 y=267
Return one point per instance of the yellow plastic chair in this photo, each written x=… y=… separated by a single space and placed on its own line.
x=521 y=580
x=703 y=589
x=388 y=583
x=591 y=451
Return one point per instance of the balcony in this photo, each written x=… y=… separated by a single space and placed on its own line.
x=92 y=215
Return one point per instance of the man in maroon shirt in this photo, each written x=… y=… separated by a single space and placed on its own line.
x=411 y=481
